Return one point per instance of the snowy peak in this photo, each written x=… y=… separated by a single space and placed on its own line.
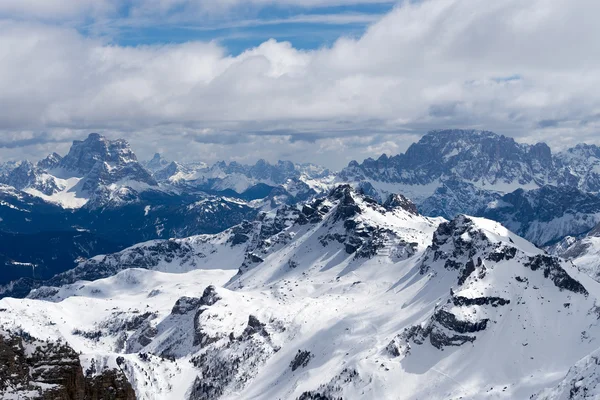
x=399 y=201
x=476 y=156
x=85 y=154
x=51 y=161
x=95 y=172
x=504 y=294
x=30 y=176
x=156 y=163
x=448 y=172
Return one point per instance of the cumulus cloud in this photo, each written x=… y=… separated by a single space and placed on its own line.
x=523 y=68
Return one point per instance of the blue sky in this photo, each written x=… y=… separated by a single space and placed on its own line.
x=305 y=27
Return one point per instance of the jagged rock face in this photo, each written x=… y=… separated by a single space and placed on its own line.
x=471 y=155
x=345 y=216
x=579 y=167
x=156 y=163
x=477 y=258
x=27 y=175
x=546 y=215
x=102 y=173
x=85 y=154
x=103 y=162
x=484 y=158
x=454 y=197
x=33 y=369
x=277 y=173
x=51 y=161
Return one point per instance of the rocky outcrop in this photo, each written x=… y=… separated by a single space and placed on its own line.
x=443 y=329
x=228 y=363
x=395 y=200
x=553 y=270
x=333 y=390
x=301 y=360
x=34 y=369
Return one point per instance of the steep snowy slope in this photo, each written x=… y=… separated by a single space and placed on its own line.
x=581 y=383
x=341 y=297
x=584 y=252
x=224 y=250
x=482 y=314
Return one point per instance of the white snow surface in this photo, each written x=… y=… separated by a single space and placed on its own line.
x=69 y=197
x=311 y=295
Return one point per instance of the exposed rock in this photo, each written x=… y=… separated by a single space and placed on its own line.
x=186 y=304
x=551 y=266
x=398 y=201
x=332 y=390
x=301 y=360
x=33 y=369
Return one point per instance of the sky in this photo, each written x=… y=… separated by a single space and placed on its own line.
x=323 y=81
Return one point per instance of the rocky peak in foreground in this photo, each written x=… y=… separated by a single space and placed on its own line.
x=36 y=369
x=494 y=277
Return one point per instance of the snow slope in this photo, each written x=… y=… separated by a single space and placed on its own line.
x=340 y=297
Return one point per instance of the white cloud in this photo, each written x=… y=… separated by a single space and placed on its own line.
x=57 y=9
x=525 y=68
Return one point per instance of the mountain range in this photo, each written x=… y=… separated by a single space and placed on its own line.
x=341 y=297
x=465 y=268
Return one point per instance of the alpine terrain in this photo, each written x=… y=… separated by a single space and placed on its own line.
x=465 y=268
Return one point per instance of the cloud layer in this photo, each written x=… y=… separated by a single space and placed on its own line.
x=523 y=68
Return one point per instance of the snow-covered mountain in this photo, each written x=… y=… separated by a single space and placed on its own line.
x=541 y=195
x=156 y=163
x=337 y=297
x=96 y=172
x=583 y=251
x=485 y=159
x=250 y=182
x=546 y=215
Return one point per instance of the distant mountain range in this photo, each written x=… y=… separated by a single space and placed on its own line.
x=467 y=267
x=102 y=194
